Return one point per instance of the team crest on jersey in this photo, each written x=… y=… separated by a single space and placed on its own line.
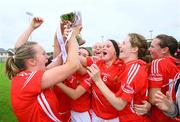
x=105 y=76
x=127 y=88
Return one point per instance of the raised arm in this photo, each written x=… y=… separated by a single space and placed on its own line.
x=57 y=49
x=64 y=32
x=60 y=73
x=57 y=56
x=36 y=22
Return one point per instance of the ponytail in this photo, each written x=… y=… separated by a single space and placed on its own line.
x=11 y=68
x=139 y=41
x=16 y=62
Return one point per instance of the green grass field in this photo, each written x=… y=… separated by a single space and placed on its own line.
x=6 y=114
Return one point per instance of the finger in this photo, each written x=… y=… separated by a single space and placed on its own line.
x=38 y=19
x=145 y=102
x=90 y=74
x=168 y=95
x=158 y=96
x=93 y=69
x=138 y=109
x=158 y=100
x=95 y=66
x=139 y=113
x=138 y=106
x=89 y=69
x=160 y=93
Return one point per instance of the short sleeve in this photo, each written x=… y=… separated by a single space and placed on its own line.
x=32 y=84
x=155 y=77
x=86 y=83
x=126 y=92
x=135 y=81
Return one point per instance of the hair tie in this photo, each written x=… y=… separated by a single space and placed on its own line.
x=11 y=53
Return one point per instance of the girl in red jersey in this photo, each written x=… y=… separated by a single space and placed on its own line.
x=63 y=98
x=32 y=97
x=97 y=50
x=78 y=88
x=133 y=82
x=161 y=73
x=110 y=67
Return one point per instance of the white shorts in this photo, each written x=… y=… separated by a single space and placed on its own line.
x=98 y=119
x=80 y=116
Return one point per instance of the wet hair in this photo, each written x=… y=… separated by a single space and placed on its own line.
x=139 y=41
x=168 y=41
x=16 y=62
x=89 y=52
x=116 y=46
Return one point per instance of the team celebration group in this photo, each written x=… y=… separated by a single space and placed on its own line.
x=119 y=81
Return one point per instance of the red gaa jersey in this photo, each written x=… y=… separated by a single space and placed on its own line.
x=29 y=102
x=133 y=89
x=83 y=103
x=161 y=75
x=100 y=105
x=65 y=105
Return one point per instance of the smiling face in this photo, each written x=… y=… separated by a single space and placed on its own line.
x=133 y=47
x=97 y=50
x=108 y=51
x=41 y=58
x=83 y=52
x=155 y=50
x=125 y=49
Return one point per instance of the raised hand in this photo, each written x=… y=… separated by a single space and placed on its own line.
x=36 y=22
x=77 y=30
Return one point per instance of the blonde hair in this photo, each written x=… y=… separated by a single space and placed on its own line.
x=139 y=41
x=16 y=63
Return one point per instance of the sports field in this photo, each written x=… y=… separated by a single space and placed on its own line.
x=6 y=114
